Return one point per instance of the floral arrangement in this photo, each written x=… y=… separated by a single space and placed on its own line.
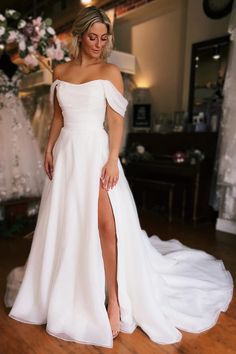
x=192 y=156
x=179 y=157
x=34 y=37
x=195 y=156
x=135 y=152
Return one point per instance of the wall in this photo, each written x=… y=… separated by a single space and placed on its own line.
x=155 y=37
x=160 y=35
x=199 y=28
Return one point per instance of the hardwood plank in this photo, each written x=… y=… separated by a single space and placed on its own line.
x=17 y=337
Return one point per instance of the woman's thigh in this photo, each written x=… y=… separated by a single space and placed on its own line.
x=106 y=221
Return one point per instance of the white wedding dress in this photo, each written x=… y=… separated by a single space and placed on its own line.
x=21 y=165
x=163 y=287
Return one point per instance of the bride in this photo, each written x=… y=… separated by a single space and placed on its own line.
x=92 y=271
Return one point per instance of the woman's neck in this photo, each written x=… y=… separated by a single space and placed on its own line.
x=84 y=60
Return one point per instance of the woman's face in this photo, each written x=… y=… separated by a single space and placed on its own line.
x=94 y=40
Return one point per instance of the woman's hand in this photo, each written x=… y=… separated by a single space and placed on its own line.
x=48 y=164
x=110 y=174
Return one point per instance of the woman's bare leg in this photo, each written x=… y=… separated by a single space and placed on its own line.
x=107 y=233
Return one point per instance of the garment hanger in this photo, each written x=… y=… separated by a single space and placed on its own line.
x=6 y=65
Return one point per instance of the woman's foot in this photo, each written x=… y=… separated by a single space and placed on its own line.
x=113 y=310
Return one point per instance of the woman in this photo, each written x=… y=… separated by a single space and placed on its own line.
x=88 y=247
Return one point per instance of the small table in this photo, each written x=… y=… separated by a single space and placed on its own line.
x=171 y=173
x=156 y=185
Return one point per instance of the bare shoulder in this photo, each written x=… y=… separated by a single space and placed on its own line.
x=113 y=74
x=59 y=70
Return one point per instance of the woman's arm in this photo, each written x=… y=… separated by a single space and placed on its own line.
x=57 y=124
x=57 y=121
x=110 y=172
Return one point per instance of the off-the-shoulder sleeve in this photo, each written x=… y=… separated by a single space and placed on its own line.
x=52 y=90
x=114 y=98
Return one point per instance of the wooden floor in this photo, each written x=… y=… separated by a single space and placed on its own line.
x=19 y=338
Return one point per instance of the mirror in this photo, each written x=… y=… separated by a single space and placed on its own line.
x=208 y=69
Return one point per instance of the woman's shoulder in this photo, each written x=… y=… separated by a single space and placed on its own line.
x=60 y=69
x=110 y=69
x=112 y=73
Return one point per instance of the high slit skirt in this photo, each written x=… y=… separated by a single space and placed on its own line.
x=163 y=287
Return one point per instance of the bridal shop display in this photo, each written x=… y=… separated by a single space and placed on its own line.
x=21 y=165
x=21 y=162
x=34 y=38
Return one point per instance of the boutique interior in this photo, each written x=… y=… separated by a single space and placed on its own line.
x=178 y=63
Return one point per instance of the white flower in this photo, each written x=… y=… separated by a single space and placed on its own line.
x=11 y=12
x=51 y=31
x=31 y=49
x=22 y=45
x=2 y=18
x=140 y=149
x=21 y=24
x=67 y=59
x=2 y=30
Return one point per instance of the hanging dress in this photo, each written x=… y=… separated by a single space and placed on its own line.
x=21 y=168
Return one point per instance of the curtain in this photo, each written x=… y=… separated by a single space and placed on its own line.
x=226 y=181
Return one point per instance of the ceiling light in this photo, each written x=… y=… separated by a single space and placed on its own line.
x=216 y=55
x=86 y=2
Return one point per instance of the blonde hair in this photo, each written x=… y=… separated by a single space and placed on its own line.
x=84 y=20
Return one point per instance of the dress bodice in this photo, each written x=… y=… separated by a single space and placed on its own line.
x=84 y=105
x=8 y=85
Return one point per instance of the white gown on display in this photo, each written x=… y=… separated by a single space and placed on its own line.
x=21 y=168
x=163 y=287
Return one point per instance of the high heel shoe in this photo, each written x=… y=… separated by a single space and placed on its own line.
x=115 y=333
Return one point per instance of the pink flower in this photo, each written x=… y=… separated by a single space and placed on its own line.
x=50 y=52
x=59 y=54
x=37 y=21
x=12 y=37
x=55 y=53
x=31 y=60
x=35 y=38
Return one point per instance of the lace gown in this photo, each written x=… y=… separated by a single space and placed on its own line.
x=163 y=287
x=21 y=169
